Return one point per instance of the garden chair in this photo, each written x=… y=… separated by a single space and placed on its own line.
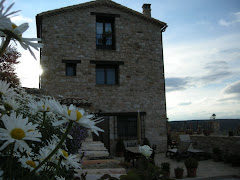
x=196 y=153
x=180 y=152
x=171 y=143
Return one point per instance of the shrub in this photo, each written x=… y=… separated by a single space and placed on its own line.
x=191 y=163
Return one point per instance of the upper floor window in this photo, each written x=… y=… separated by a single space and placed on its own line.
x=105 y=32
x=106 y=74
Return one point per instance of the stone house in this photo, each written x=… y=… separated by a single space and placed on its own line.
x=108 y=59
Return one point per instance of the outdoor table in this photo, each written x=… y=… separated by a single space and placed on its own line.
x=133 y=153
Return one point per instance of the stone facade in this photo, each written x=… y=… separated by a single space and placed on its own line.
x=70 y=34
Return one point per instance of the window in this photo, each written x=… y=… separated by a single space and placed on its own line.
x=105 y=32
x=70 y=69
x=127 y=127
x=70 y=66
x=106 y=74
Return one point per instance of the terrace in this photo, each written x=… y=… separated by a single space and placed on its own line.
x=207 y=169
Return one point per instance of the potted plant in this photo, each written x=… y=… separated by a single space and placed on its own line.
x=230 y=133
x=191 y=165
x=178 y=172
x=206 y=132
x=217 y=154
x=235 y=160
x=165 y=169
x=120 y=148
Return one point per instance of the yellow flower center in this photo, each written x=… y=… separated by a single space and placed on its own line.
x=17 y=133
x=79 y=115
x=64 y=153
x=15 y=26
x=31 y=163
x=47 y=107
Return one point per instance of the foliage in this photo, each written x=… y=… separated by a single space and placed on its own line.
x=78 y=134
x=235 y=159
x=33 y=130
x=217 y=150
x=144 y=170
x=191 y=163
x=165 y=166
x=7 y=66
x=146 y=141
x=179 y=169
x=120 y=147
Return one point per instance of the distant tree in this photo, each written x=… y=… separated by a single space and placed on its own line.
x=7 y=66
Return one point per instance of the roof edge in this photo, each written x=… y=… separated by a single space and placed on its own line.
x=100 y=3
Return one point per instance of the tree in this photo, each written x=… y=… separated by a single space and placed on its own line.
x=7 y=66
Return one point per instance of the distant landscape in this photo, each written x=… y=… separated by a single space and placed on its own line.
x=225 y=125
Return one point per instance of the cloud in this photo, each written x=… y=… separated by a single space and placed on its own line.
x=233 y=88
x=185 y=103
x=176 y=84
x=231 y=93
x=21 y=19
x=202 y=63
x=217 y=71
x=212 y=72
x=235 y=19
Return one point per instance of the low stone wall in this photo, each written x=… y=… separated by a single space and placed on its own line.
x=225 y=143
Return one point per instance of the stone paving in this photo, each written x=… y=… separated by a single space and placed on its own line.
x=206 y=168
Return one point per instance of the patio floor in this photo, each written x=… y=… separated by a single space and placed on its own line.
x=206 y=168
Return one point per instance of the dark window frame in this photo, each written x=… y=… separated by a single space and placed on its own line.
x=105 y=67
x=127 y=127
x=73 y=66
x=104 y=20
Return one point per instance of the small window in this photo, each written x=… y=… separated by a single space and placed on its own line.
x=107 y=74
x=127 y=127
x=105 y=32
x=71 y=69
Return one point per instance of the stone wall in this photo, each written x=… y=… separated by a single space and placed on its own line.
x=225 y=143
x=72 y=36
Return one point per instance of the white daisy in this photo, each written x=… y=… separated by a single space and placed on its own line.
x=42 y=105
x=29 y=163
x=10 y=104
x=2 y=108
x=5 y=90
x=59 y=178
x=6 y=13
x=79 y=116
x=69 y=160
x=15 y=32
x=45 y=151
x=90 y=124
x=17 y=131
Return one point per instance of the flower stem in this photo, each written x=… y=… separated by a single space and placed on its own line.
x=54 y=151
x=44 y=119
x=5 y=45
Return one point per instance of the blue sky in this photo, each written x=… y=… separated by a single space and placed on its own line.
x=201 y=52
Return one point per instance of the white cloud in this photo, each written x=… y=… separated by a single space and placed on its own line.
x=21 y=19
x=233 y=88
x=196 y=74
x=203 y=62
x=235 y=19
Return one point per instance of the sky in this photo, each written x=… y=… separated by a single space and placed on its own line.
x=201 y=53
